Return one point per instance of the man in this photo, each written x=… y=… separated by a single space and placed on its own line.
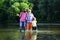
x=29 y=18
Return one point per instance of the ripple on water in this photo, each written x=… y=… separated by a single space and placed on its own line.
x=48 y=37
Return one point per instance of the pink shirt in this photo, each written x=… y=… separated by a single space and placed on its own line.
x=22 y=16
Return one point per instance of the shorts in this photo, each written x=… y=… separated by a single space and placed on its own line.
x=29 y=25
x=22 y=24
x=34 y=28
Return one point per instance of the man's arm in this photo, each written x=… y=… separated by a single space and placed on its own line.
x=20 y=14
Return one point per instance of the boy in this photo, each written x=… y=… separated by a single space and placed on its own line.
x=29 y=18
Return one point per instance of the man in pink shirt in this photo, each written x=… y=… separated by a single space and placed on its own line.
x=22 y=19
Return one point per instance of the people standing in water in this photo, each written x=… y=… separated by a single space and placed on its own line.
x=22 y=19
x=29 y=18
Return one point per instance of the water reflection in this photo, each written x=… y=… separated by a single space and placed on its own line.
x=28 y=36
x=34 y=36
x=31 y=35
x=22 y=36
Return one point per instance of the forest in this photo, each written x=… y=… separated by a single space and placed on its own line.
x=46 y=11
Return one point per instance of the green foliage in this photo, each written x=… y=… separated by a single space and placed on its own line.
x=24 y=5
x=9 y=9
x=15 y=7
x=16 y=4
x=46 y=10
x=1 y=2
x=30 y=6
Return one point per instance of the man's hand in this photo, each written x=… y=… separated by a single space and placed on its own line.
x=17 y=14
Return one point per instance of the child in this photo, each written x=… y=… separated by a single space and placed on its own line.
x=34 y=24
x=29 y=18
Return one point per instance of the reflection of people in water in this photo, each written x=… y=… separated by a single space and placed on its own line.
x=34 y=36
x=28 y=35
x=31 y=35
x=22 y=36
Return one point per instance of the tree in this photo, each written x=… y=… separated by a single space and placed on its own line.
x=9 y=9
x=46 y=10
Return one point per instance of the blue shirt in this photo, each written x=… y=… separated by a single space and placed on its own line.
x=29 y=17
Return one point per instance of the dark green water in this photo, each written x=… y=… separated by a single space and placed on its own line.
x=48 y=37
x=44 y=33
